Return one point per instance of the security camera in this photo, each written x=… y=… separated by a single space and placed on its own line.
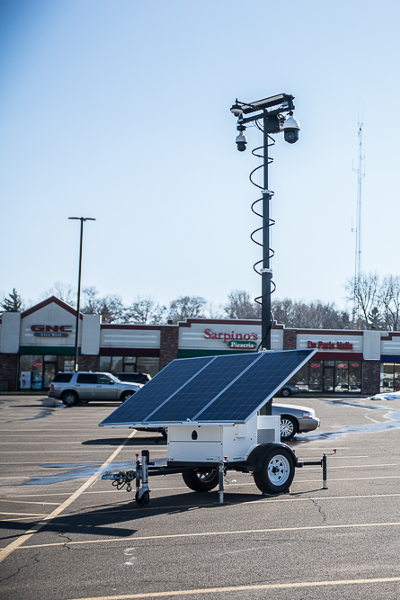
x=291 y=129
x=241 y=139
x=236 y=109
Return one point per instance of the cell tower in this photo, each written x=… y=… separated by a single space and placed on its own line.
x=360 y=176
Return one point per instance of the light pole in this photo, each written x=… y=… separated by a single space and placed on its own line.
x=270 y=112
x=78 y=303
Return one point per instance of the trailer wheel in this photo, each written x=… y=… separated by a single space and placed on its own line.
x=142 y=500
x=201 y=481
x=277 y=472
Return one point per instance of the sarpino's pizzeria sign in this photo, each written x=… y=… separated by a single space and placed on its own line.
x=330 y=345
x=234 y=341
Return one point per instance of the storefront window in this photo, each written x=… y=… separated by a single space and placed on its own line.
x=111 y=364
x=390 y=377
x=396 y=379
x=354 y=376
x=149 y=365
x=315 y=381
x=130 y=364
x=31 y=371
x=338 y=376
x=302 y=378
x=342 y=376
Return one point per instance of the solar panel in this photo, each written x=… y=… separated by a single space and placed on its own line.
x=228 y=388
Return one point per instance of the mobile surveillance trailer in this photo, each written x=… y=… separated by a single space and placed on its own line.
x=215 y=409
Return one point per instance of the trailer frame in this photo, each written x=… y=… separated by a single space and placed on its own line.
x=145 y=468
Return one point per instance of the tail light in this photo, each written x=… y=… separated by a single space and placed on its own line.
x=52 y=387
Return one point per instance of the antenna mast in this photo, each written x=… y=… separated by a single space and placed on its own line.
x=360 y=176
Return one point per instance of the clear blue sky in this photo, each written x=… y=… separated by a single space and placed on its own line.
x=119 y=110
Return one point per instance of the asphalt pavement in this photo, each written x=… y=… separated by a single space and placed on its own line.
x=66 y=534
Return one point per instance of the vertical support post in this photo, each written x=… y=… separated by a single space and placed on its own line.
x=145 y=470
x=324 y=473
x=266 y=324
x=138 y=470
x=221 y=481
x=78 y=303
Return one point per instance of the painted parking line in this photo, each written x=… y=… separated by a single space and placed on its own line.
x=249 y=588
x=169 y=536
x=81 y=451
x=22 y=515
x=57 y=511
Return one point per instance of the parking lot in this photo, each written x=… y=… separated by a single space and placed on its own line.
x=67 y=534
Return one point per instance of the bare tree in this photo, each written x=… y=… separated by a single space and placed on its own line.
x=145 y=310
x=314 y=315
x=109 y=307
x=240 y=306
x=186 y=307
x=389 y=296
x=215 y=312
x=365 y=291
x=63 y=291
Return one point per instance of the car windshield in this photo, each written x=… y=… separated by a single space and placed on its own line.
x=113 y=377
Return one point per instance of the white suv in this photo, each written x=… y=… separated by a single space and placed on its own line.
x=80 y=386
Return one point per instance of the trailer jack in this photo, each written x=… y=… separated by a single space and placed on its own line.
x=321 y=463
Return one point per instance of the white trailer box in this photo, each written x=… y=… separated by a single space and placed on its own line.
x=202 y=443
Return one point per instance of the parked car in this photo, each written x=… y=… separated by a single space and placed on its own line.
x=288 y=390
x=80 y=386
x=295 y=419
x=133 y=377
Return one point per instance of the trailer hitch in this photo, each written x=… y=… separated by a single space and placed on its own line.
x=121 y=479
x=140 y=475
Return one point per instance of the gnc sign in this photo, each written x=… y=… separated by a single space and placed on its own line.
x=51 y=330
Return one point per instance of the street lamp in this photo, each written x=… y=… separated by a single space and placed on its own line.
x=269 y=116
x=78 y=303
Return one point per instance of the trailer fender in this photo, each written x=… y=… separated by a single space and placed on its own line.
x=259 y=452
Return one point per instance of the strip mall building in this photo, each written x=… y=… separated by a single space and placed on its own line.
x=36 y=344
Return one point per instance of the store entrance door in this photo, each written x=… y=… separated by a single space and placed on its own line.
x=49 y=372
x=328 y=379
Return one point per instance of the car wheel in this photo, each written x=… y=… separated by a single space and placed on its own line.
x=200 y=481
x=286 y=392
x=126 y=395
x=288 y=427
x=69 y=398
x=277 y=472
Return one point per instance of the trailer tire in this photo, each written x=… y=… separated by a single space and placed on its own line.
x=276 y=473
x=200 y=481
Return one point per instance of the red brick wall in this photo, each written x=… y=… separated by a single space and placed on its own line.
x=88 y=363
x=8 y=372
x=168 y=345
x=371 y=377
x=289 y=339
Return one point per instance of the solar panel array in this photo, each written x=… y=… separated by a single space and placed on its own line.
x=228 y=388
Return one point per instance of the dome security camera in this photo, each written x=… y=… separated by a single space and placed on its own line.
x=241 y=139
x=236 y=109
x=291 y=129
